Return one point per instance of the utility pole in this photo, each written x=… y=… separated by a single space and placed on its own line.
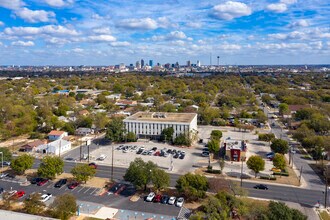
x=326 y=188
x=112 y=164
x=59 y=150
x=88 y=153
x=301 y=170
x=241 y=173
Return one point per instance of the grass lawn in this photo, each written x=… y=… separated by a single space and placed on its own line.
x=324 y=215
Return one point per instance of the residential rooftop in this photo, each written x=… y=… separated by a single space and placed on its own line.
x=162 y=117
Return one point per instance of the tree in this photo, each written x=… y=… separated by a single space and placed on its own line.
x=266 y=137
x=131 y=137
x=216 y=134
x=33 y=205
x=115 y=130
x=279 y=210
x=167 y=134
x=7 y=156
x=256 y=163
x=303 y=132
x=22 y=163
x=50 y=166
x=279 y=161
x=279 y=146
x=213 y=145
x=183 y=139
x=193 y=186
x=64 y=206
x=160 y=178
x=83 y=172
x=139 y=173
x=283 y=108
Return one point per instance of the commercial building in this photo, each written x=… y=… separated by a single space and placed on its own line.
x=56 y=147
x=151 y=124
x=235 y=150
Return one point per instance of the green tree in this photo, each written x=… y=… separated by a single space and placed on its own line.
x=193 y=186
x=7 y=156
x=256 y=163
x=213 y=145
x=279 y=161
x=64 y=206
x=167 y=134
x=139 y=173
x=216 y=134
x=22 y=163
x=160 y=178
x=303 y=132
x=131 y=137
x=279 y=146
x=33 y=205
x=50 y=166
x=279 y=210
x=266 y=137
x=283 y=109
x=83 y=172
x=183 y=139
x=115 y=130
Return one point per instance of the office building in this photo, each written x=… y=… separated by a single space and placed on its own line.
x=142 y=63
x=151 y=63
x=149 y=125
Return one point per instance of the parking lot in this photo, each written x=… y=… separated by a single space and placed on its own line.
x=120 y=198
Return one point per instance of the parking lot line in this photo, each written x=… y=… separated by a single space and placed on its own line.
x=88 y=189
x=74 y=189
x=93 y=191
x=66 y=189
x=81 y=189
x=50 y=185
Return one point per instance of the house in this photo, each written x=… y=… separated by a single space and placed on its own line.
x=29 y=147
x=84 y=131
x=83 y=112
x=122 y=103
x=55 y=135
x=294 y=108
x=56 y=147
x=114 y=96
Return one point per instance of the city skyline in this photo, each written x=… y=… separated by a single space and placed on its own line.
x=69 y=32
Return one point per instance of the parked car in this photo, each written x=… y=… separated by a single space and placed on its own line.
x=46 y=197
x=36 y=180
x=179 y=202
x=157 y=198
x=150 y=197
x=171 y=201
x=6 y=163
x=42 y=182
x=93 y=165
x=60 y=183
x=19 y=194
x=2 y=175
x=1 y=190
x=141 y=149
x=102 y=157
x=69 y=159
x=182 y=156
x=145 y=152
x=176 y=155
x=154 y=148
x=205 y=154
x=164 y=199
x=276 y=170
x=261 y=186
x=73 y=185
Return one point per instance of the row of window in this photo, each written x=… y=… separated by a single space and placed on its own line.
x=154 y=128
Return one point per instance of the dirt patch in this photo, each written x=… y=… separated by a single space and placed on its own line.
x=96 y=182
x=192 y=205
x=134 y=198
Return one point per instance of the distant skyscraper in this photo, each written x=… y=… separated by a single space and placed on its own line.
x=151 y=63
x=142 y=63
x=177 y=65
x=198 y=63
x=188 y=63
x=137 y=65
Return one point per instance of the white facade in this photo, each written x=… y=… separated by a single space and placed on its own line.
x=56 y=147
x=145 y=125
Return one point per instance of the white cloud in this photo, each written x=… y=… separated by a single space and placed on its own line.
x=59 y=3
x=56 y=40
x=78 y=50
x=1 y=43
x=104 y=30
x=120 y=44
x=35 y=16
x=230 y=47
x=230 y=10
x=102 y=38
x=277 y=7
x=23 y=43
x=194 y=24
x=1 y=23
x=48 y=29
x=299 y=23
x=11 y=4
x=139 y=24
x=165 y=22
x=288 y=2
x=176 y=35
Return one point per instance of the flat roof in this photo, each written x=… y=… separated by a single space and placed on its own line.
x=162 y=117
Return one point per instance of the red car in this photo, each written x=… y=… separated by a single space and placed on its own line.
x=42 y=182
x=73 y=185
x=19 y=194
x=92 y=165
x=157 y=198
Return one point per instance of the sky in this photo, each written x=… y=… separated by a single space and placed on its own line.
x=109 y=32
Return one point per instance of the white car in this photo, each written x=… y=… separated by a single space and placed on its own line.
x=179 y=202
x=102 y=157
x=2 y=175
x=45 y=197
x=150 y=197
x=12 y=192
x=171 y=201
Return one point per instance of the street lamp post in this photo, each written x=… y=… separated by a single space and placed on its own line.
x=1 y=161
x=242 y=173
